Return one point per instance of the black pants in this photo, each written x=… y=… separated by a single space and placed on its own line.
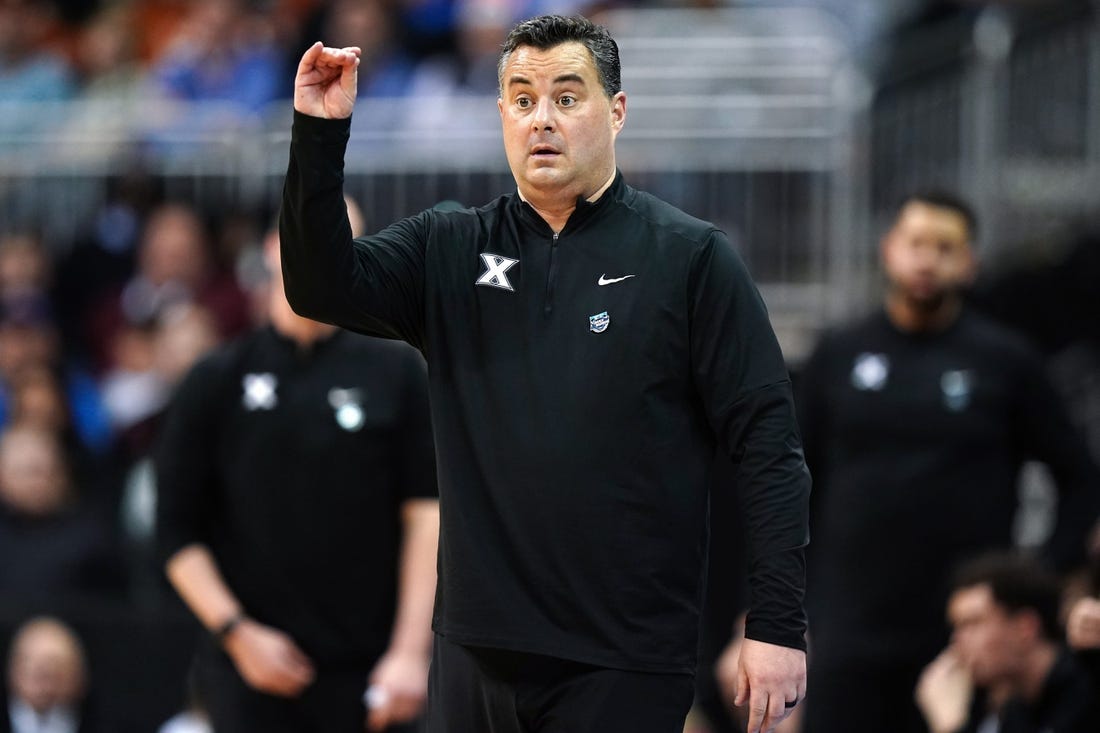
x=478 y=690
x=332 y=704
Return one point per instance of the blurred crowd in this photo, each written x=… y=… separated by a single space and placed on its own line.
x=243 y=52
x=95 y=334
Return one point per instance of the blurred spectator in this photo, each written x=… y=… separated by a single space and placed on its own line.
x=149 y=362
x=159 y=22
x=385 y=70
x=51 y=546
x=24 y=267
x=38 y=400
x=1007 y=668
x=175 y=265
x=106 y=56
x=115 y=89
x=29 y=70
x=472 y=69
x=428 y=24
x=47 y=681
x=916 y=421
x=102 y=260
x=29 y=342
x=223 y=52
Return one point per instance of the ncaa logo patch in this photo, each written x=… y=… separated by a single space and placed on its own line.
x=599 y=322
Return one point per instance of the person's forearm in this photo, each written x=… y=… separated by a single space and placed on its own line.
x=314 y=231
x=416 y=577
x=194 y=574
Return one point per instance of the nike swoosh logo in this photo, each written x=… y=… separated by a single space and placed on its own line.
x=605 y=280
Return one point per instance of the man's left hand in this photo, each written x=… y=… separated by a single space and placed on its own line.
x=772 y=680
x=398 y=689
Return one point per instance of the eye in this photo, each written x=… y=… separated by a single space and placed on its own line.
x=523 y=102
x=567 y=100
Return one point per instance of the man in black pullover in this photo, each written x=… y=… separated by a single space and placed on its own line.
x=917 y=420
x=589 y=346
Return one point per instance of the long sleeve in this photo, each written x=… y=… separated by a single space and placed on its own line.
x=741 y=376
x=373 y=285
x=185 y=461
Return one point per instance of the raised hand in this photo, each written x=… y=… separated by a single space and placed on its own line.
x=326 y=82
x=268 y=659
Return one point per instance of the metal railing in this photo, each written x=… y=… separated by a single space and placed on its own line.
x=752 y=118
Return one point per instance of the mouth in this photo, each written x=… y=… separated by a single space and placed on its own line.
x=544 y=151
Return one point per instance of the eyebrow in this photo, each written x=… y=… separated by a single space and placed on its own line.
x=559 y=80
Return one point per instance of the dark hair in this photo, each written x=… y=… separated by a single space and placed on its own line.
x=548 y=31
x=1018 y=583
x=946 y=200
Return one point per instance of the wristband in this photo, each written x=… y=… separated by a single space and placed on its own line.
x=226 y=628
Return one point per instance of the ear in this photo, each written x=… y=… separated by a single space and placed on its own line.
x=618 y=112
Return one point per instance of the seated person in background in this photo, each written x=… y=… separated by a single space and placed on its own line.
x=1083 y=623
x=51 y=547
x=47 y=680
x=1007 y=669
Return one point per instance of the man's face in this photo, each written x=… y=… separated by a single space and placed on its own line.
x=927 y=255
x=559 y=126
x=988 y=640
x=46 y=668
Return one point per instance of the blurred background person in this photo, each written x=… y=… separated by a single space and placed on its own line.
x=47 y=681
x=31 y=69
x=298 y=519
x=223 y=52
x=53 y=547
x=1007 y=668
x=916 y=421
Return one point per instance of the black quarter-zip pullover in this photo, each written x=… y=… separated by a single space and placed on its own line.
x=579 y=386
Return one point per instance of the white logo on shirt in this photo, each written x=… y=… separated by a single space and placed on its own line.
x=957 y=386
x=259 y=391
x=870 y=371
x=348 y=404
x=494 y=274
x=605 y=280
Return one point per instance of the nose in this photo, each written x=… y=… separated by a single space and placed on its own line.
x=543 y=119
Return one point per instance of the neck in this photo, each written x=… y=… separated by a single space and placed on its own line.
x=1035 y=670
x=302 y=331
x=909 y=316
x=556 y=212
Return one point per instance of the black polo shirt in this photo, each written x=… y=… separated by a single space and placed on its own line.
x=291 y=464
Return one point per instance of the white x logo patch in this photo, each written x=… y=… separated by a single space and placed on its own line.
x=259 y=391
x=494 y=276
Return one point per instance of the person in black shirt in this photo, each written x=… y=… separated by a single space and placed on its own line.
x=1007 y=668
x=297 y=513
x=916 y=421
x=588 y=348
